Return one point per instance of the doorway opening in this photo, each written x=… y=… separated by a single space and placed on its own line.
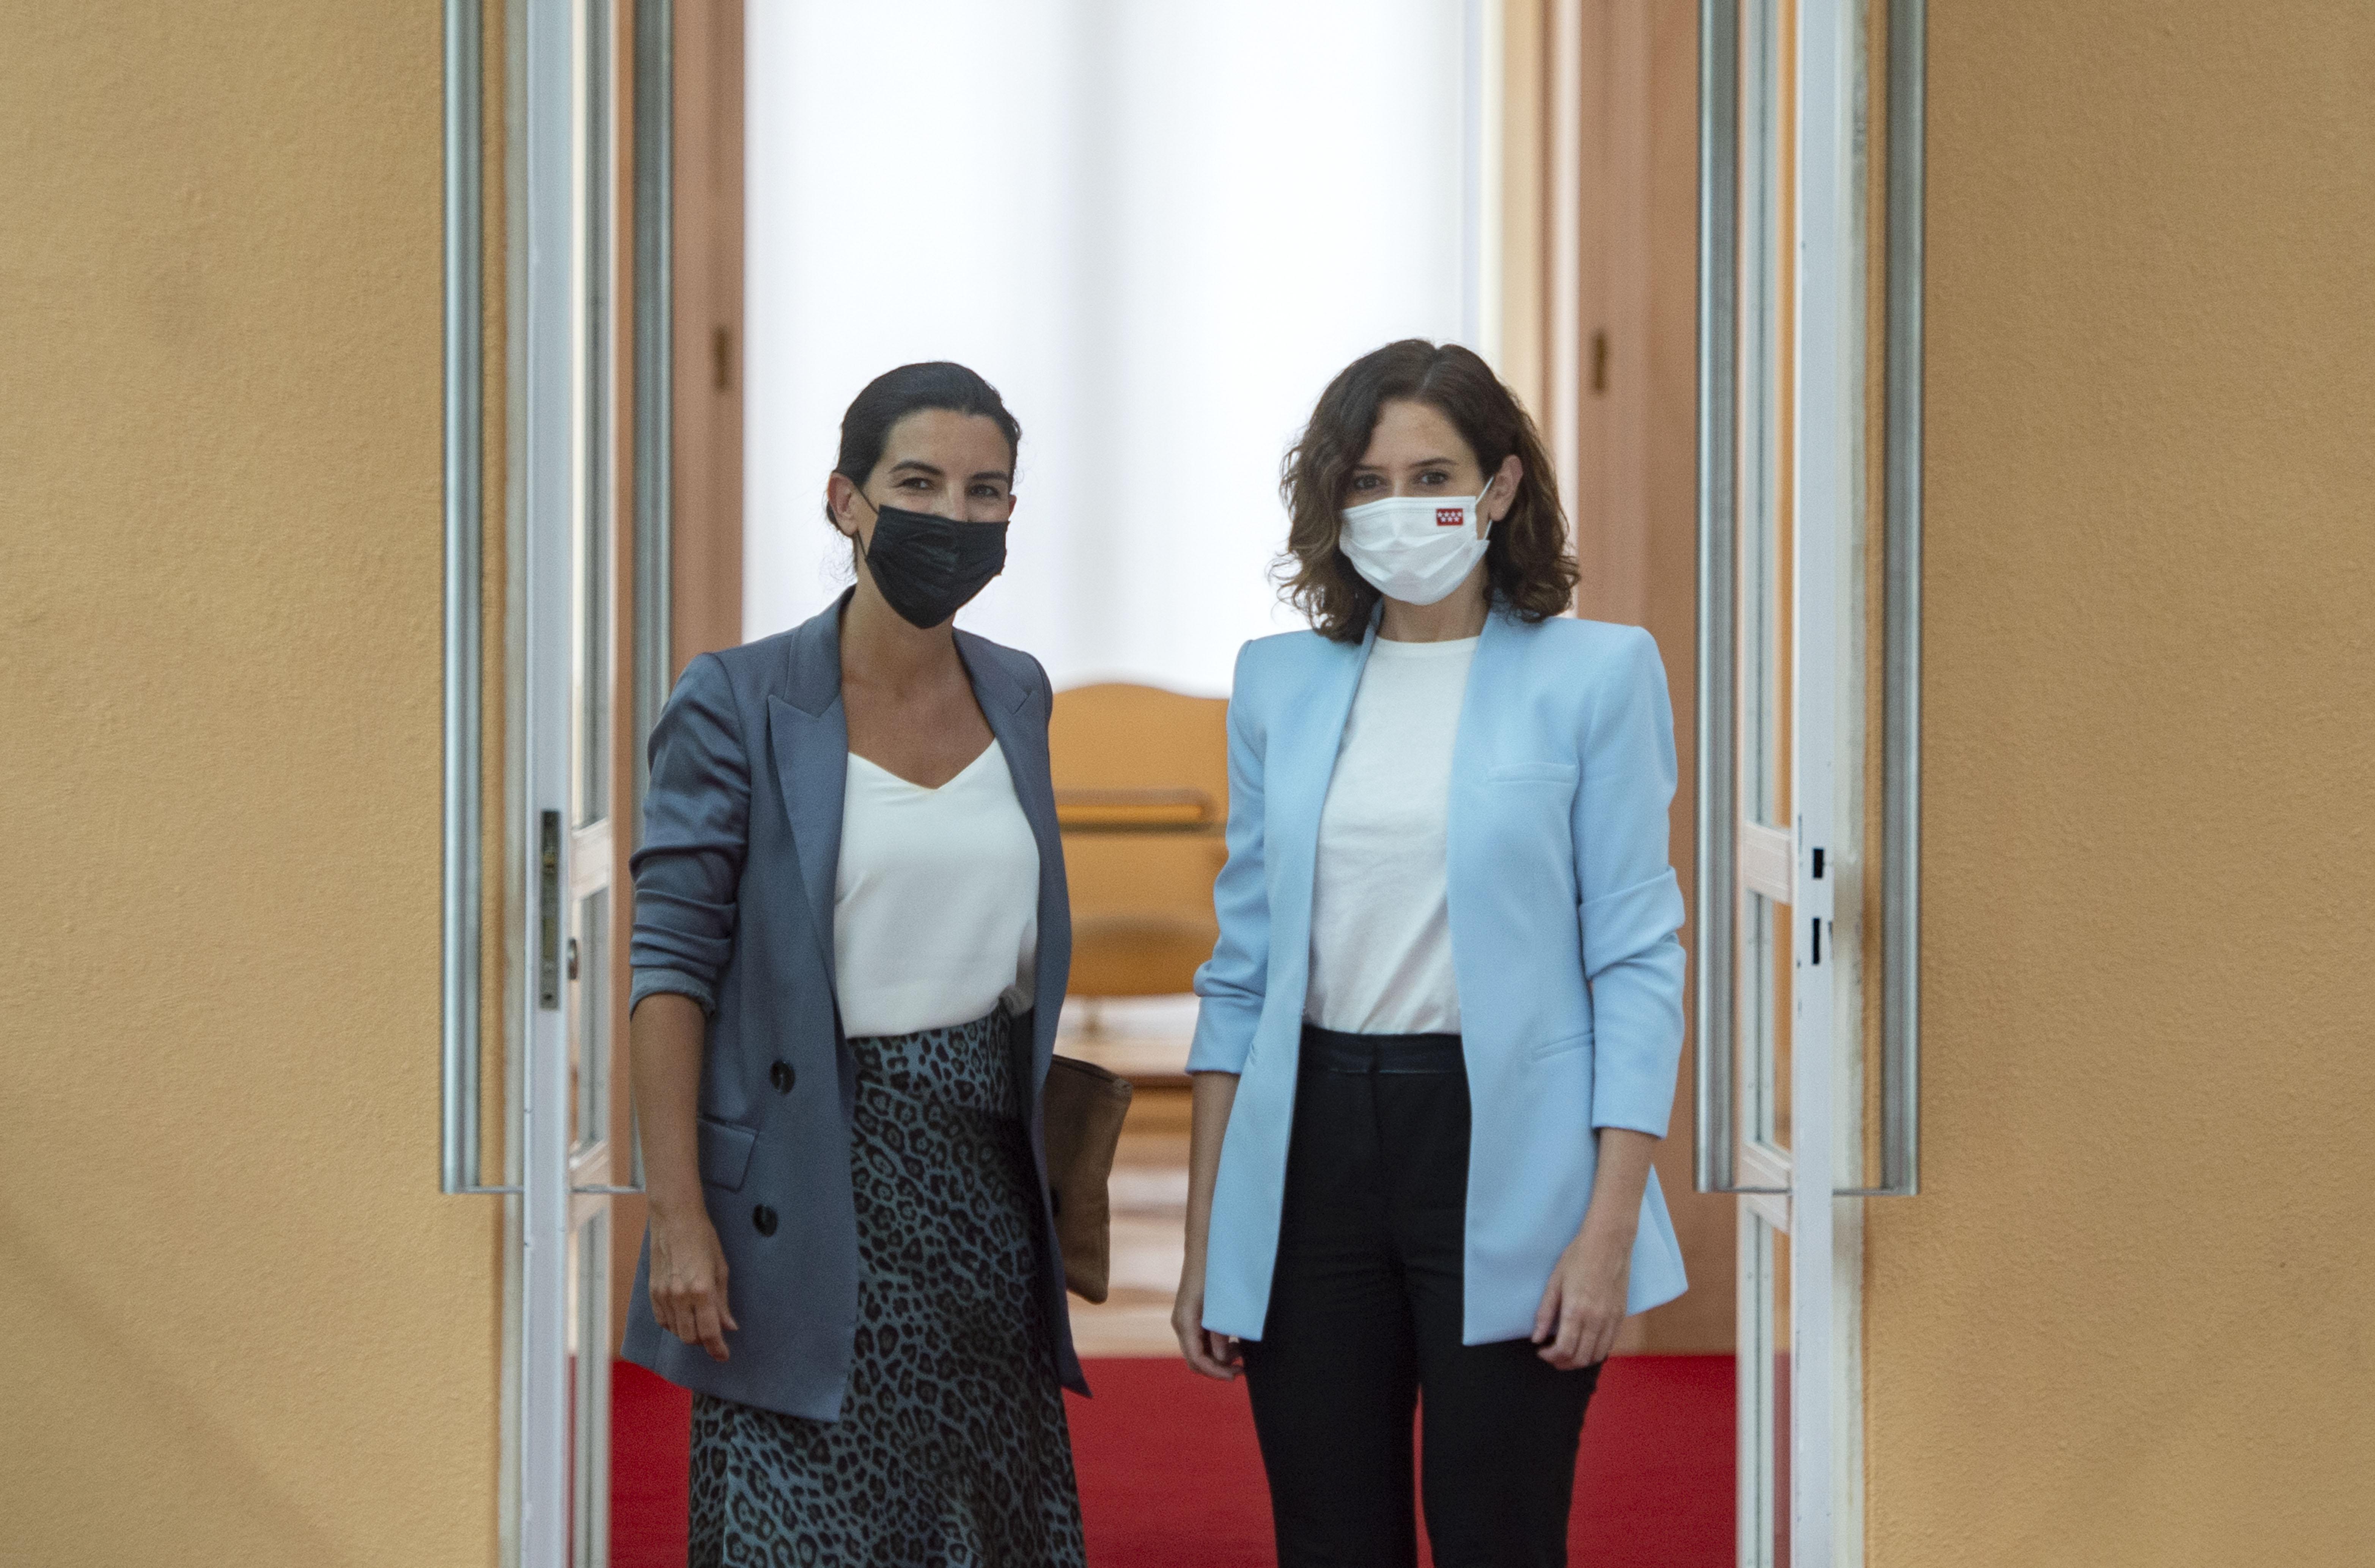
x=1160 y=232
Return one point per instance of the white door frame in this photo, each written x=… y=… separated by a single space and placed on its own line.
x=1825 y=1232
x=562 y=797
x=546 y=455
x=1812 y=1189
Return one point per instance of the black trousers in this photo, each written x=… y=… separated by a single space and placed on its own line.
x=1364 y=1319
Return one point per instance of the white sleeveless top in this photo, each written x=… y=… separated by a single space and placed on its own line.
x=936 y=900
x=1380 y=916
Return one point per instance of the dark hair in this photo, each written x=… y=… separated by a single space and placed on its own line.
x=892 y=396
x=1529 y=562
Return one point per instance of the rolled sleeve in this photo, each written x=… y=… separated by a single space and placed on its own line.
x=696 y=820
x=1631 y=905
x=1232 y=983
x=652 y=982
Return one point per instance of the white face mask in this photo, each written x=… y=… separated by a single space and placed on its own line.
x=1415 y=548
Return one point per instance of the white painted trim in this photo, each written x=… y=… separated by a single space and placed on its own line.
x=550 y=51
x=590 y=1484
x=1483 y=47
x=1563 y=365
x=1847 y=1384
x=1764 y=1165
x=463 y=888
x=1716 y=910
x=1753 y=1347
x=1827 y=56
x=1829 y=374
x=518 y=932
x=590 y=859
x=1493 y=175
x=590 y=1167
x=1767 y=855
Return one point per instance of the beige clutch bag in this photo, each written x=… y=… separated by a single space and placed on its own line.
x=1084 y=1110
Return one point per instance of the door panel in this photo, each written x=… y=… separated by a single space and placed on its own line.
x=1763 y=1388
x=1782 y=809
x=1793 y=584
x=576 y=717
x=586 y=665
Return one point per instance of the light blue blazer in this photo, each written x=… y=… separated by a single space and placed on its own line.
x=1563 y=913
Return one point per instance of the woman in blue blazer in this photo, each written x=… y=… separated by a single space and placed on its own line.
x=851 y=941
x=1440 y=1032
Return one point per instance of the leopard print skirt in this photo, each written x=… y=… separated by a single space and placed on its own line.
x=951 y=1448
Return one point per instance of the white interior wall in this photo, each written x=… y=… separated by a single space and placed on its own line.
x=1158 y=227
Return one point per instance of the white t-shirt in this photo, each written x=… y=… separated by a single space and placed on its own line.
x=936 y=900
x=1380 y=928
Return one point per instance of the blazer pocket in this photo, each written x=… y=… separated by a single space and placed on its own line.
x=726 y=1153
x=1531 y=772
x=1561 y=1047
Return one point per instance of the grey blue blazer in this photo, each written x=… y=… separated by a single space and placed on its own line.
x=734 y=891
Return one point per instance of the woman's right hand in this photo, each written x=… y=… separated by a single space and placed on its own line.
x=689 y=1278
x=1214 y=1354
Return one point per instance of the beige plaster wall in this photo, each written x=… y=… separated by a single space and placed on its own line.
x=2133 y=1318
x=244 y=1327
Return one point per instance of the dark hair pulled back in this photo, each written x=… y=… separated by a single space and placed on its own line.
x=1528 y=561
x=892 y=396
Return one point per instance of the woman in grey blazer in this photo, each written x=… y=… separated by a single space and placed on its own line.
x=851 y=943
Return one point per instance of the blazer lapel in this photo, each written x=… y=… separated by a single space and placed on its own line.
x=1022 y=734
x=810 y=734
x=1501 y=643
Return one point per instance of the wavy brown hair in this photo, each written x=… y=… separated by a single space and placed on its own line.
x=1528 y=561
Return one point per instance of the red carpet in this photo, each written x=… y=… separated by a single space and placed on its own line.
x=1170 y=1477
x=651 y=1448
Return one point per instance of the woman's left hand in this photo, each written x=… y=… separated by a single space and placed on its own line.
x=1583 y=1306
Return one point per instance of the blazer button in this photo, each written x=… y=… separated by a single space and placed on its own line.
x=780 y=1075
x=764 y=1219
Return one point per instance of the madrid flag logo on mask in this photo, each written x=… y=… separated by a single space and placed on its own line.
x=1414 y=548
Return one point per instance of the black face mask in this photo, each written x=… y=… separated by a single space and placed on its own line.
x=929 y=567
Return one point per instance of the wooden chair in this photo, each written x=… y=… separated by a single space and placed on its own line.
x=1141 y=779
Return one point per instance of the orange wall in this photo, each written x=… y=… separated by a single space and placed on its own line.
x=245 y=1327
x=2131 y=1320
